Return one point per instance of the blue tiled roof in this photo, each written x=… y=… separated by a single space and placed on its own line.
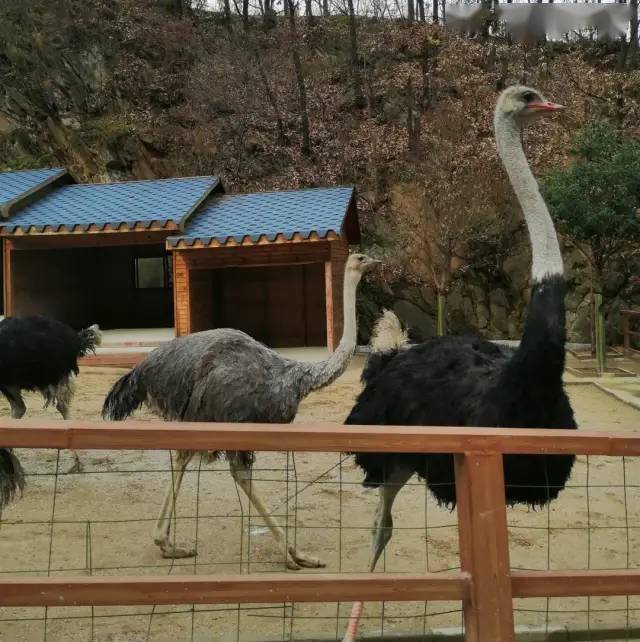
x=128 y=203
x=303 y=211
x=15 y=184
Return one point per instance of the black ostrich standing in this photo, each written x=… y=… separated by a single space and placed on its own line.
x=38 y=354
x=467 y=381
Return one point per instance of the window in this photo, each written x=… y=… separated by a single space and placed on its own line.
x=153 y=272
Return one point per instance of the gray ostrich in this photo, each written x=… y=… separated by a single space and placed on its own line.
x=225 y=375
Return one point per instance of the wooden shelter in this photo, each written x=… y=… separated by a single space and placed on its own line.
x=177 y=253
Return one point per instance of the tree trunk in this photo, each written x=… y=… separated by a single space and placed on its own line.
x=356 y=76
x=245 y=14
x=441 y=328
x=227 y=13
x=633 y=36
x=435 y=11
x=420 y=4
x=601 y=343
x=325 y=8
x=282 y=139
x=413 y=120
x=308 y=10
x=302 y=89
x=411 y=14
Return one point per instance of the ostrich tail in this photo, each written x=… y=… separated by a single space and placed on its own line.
x=387 y=339
x=388 y=335
x=126 y=396
x=11 y=477
x=90 y=339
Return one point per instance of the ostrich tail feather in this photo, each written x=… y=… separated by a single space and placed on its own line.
x=11 y=476
x=388 y=334
x=125 y=396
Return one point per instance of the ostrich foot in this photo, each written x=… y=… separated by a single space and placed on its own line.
x=171 y=551
x=77 y=467
x=296 y=560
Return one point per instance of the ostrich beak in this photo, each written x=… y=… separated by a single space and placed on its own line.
x=371 y=263
x=544 y=105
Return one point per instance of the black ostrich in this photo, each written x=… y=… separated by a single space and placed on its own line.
x=467 y=381
x=38 y=354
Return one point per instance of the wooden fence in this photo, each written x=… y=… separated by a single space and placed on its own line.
x=627 y=332
x=486 y=585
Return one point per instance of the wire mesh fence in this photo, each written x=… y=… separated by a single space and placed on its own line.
x=100 y=523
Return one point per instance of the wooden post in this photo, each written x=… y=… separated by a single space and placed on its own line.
x=484 y=547
x=334 y=279
x=625 y=333
x=181 y=294
x=7 y=277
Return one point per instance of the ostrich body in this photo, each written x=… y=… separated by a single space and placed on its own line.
x=468 y=381
x=38 y=354
x=225 y=375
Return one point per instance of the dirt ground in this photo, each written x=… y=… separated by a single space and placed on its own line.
x=101 y=521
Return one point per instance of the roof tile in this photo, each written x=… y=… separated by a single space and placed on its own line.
x=117 y=204
x=303 y=211
x=16 y=183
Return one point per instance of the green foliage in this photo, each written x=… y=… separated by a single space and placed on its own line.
x=597 y=198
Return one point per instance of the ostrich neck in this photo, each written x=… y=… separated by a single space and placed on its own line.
x=324 y=372
x=541 y=354
x=545 y=249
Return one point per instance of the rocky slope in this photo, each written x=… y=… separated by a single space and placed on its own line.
x=118 y=90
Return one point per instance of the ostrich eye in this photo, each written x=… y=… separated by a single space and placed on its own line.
x=360 y=258
x=528 y=96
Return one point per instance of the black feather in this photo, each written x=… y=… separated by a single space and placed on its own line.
x=36 y=352
x=11 y=476
x=466 y=381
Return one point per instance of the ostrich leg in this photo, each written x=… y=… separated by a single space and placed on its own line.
x=163 y=525
x=382 y=532
x=18 y=407
x=295 y=560
x=63 y=395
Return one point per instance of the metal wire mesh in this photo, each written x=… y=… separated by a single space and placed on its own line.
x=100 y=522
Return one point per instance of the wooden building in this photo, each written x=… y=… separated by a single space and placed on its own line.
x=178 y=253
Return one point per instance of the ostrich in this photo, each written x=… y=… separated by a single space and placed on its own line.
x=225 y=375
x=40 y=354
x=467 y=381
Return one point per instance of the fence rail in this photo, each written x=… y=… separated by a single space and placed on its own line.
x=486 y=585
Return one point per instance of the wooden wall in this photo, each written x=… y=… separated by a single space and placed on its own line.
x=88 y=285
x=283 y=295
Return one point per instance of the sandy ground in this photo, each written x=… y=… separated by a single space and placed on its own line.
x=101 y=522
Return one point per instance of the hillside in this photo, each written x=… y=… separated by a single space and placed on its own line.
x=118 y=90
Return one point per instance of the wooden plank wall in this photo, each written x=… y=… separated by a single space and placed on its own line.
x=194 y=288
x=334 y=278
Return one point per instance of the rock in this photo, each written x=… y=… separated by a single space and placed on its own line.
x=420 y=323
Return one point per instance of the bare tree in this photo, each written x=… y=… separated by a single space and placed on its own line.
x=411 y=14
x=245 y=14
x=308 y=10
x=356 y=76
x=325 y=8
x=282 y=139
x=633 y=35
x=302 y=89
x=444 y=217
x=435 y=12
x=420 y=6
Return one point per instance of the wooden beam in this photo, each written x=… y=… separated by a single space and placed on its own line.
x=575 y=583
x=7 y=276
x=88 y=239
x=229 y=589
x=484 y=547
x=113 y=359
x=308 y=437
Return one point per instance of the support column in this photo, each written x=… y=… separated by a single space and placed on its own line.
x=334 y=280
x=181 y=294
x=7 y=277
x=484 y=547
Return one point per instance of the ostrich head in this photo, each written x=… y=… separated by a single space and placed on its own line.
x=359 y=264
x=523 y=103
